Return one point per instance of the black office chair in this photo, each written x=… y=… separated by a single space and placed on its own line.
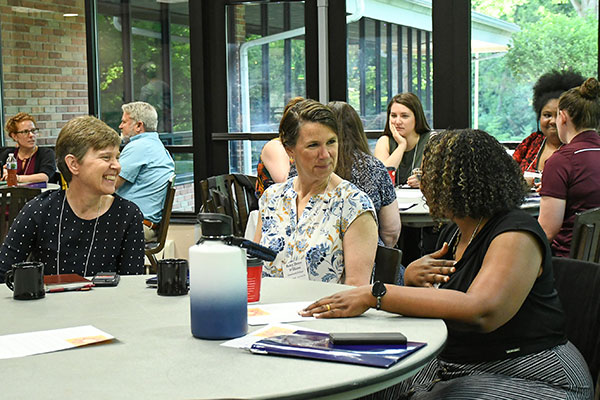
x=388 y=265
x=153 y=248
x=12 y=199
x=230 y=194
x=578 y=286
x=585 y=244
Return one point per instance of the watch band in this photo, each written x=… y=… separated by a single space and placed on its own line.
x=378 y=291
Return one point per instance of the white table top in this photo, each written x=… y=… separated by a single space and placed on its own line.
x=417 y=215
x=156 y=357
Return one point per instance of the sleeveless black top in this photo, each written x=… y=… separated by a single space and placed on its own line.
x=411 y=159
x=539 y=323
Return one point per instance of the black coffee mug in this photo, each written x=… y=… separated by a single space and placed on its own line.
x=172 y=277
x=26 y=280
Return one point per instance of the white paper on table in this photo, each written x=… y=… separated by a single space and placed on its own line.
x=409 y=194
x=268 y=331
x=29 y=343
x=263 y=314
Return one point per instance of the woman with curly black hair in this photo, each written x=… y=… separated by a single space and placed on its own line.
x=505 y=322
x=531 y=154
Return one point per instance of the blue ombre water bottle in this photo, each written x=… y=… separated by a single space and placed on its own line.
x=218 y=285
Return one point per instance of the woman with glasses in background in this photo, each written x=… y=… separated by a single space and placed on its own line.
x=34 y=164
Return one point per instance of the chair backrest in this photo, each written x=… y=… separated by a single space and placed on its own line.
x=163 y=227
x=585 y=244
x=578 y=286
x=230 y=194
x=11 y=201
x=388 y=264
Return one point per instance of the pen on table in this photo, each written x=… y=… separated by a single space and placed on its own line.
x=409 y=207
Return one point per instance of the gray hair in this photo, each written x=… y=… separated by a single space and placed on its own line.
x=145 y=113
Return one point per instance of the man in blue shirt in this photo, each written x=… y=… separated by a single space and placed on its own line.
x=146 y=166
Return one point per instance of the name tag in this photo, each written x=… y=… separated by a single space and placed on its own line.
x=295 y=269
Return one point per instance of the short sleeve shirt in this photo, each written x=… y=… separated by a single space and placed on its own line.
x=370 y=175
x=146 y=167
x=314 y=240
x=572 y=173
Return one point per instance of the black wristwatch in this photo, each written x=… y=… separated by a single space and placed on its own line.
x=378 y=291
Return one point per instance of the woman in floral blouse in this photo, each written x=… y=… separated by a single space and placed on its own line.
x=322 y=227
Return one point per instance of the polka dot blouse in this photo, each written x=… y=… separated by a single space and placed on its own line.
x=118 y=243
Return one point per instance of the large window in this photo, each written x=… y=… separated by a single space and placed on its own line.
x=385 y=59
x=266 y=68
x=544 y=35
x=144 y=55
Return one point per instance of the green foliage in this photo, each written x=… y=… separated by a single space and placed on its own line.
x=555 y=42
x=278 y=98
x=504 y=104
x=552 y=36
x=145 y=48
x=522 y=11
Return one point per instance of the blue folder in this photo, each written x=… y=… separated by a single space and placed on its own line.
x=316 y=345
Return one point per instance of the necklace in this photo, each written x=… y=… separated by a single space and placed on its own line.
x=28 y=159
x=457 y=236
x=60 y=228
x=415 y=150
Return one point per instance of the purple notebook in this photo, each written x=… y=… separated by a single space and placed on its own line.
x=316 y=345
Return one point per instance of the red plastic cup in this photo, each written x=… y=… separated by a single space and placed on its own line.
x=392 y=172
x=254 y=267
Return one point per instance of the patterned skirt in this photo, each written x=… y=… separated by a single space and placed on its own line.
x=556 y=373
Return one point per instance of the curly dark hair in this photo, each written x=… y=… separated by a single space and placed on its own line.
x=551 y=85
x=467 y=173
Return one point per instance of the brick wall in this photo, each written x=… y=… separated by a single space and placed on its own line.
x=44 y=62
x=184 y=198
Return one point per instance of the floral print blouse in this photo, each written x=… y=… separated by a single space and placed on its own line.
x=309 y=246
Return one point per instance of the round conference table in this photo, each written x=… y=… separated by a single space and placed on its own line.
x=415 y=213
x=155 y=356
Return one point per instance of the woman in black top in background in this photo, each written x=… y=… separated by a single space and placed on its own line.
x=505 y=322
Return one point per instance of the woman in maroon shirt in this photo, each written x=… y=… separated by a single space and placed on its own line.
x=34 y=164
x=571 y=181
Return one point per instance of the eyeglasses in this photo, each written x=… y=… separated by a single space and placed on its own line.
x=28 y=131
